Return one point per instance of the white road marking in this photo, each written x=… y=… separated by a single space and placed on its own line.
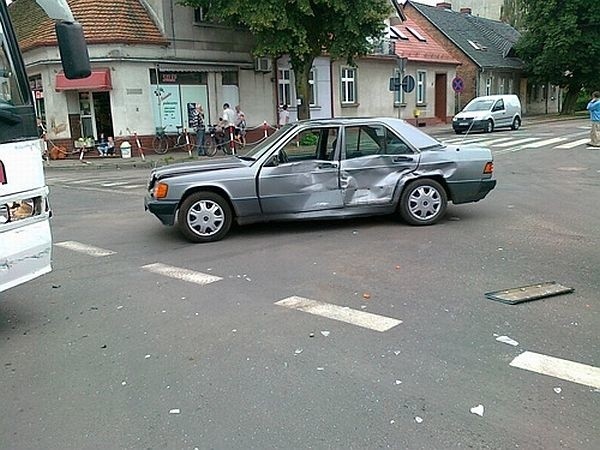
x=558 y=368
x=497 y=141
x=517 y=142
x=181 y=274
x=545 y=142
x=343 y=314
x=574 y=143
x=134 y=186
x=87 y=180
x=114 y=183
x=84 y=248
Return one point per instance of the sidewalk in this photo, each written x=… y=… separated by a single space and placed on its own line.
x=172 y=157
x=99 y=163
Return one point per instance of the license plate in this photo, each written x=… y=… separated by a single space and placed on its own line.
x=464 y=123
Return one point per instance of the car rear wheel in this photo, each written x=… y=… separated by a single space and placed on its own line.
x=489 y=126
x=516 y=123
x=204 y=217
x=423 y=202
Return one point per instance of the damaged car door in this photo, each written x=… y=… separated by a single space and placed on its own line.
x=373 y=160
x=302 y=175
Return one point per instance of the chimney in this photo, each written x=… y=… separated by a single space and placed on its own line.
x=444 y=5
x=465 y=10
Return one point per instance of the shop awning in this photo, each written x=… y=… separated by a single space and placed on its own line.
x=99 y=80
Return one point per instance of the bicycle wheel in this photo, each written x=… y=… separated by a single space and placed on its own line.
x=210 y=147
x=227 y=147
x=160 y=144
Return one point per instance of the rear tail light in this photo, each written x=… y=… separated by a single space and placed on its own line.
x=489 y=168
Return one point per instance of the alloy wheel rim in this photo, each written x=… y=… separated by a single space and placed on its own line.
x=206 y=218
x=424 y=202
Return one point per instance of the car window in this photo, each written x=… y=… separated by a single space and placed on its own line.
x=368 y=140
x=315 y=143
x=499 y=106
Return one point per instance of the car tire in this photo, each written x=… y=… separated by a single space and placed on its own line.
x=516 y=123
x=204 y=217
x=423 y=202
x=489 y=126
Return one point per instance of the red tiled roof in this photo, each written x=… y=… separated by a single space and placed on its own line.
x=103 y=21
x=417 y=50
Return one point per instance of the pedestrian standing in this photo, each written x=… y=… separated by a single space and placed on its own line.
x=228 y=121
x=197 y=122
x=238 y=115
x=284 y=116
x=594 y=108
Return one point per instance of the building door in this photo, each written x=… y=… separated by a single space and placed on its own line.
x=441 y=89
x=86 y=115
x=102 y=114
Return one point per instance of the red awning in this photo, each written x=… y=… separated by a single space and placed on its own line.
x=99 y=80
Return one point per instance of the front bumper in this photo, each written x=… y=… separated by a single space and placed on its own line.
x=470 y=191
x=165 y=210
x=465 y=124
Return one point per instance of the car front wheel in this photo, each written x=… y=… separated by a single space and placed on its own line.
x=423 y=202
x=489 y=126
x=204 y=217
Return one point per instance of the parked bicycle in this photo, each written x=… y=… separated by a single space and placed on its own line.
x=163 y=141
x=217 y=138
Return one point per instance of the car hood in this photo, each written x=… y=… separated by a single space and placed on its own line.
x=230 y=162
x=471 y=114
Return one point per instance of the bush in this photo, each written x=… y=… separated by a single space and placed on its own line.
x=582 y=100
x=310 y=139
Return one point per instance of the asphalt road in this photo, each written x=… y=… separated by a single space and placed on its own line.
x=103 y=353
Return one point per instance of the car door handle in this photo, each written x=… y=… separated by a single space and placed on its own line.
x=327 y=166
x=398 y=159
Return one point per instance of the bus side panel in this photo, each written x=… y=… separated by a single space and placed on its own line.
x=23 y=168
x=25 y=254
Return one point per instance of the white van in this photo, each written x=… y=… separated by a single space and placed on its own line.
x=489 y=112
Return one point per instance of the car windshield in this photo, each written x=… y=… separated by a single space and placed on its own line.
x=416 y=137
x=479 y=105
x=264 y=144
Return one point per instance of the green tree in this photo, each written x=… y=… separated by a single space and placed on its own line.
x=561 y=45
x=513 y=12
x=303 y=29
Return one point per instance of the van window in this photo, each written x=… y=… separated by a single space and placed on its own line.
x=499 y=106
x=479 y=105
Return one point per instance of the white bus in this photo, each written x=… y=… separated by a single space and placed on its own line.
x=25 y=238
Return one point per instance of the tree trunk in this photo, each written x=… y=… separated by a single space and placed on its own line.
x=568 y=106
x=302 y=70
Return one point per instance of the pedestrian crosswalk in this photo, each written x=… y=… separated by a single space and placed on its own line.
x=518 y=142
x=97 y=183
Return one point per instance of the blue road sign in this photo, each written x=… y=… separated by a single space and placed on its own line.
x=408 y=83
x=458 y=84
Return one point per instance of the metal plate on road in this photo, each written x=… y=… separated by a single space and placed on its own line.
x=528 y=293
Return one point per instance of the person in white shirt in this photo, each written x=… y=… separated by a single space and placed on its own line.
x=284 y=116
x=228 y=124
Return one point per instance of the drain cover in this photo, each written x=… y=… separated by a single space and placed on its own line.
x=513 y=296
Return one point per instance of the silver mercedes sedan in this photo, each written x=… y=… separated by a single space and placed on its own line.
x=322 y=169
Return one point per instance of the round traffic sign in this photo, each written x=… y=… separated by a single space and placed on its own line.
x=458 y=84
x=408 y=83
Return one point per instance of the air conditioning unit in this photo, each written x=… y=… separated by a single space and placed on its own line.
x=262 y=64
